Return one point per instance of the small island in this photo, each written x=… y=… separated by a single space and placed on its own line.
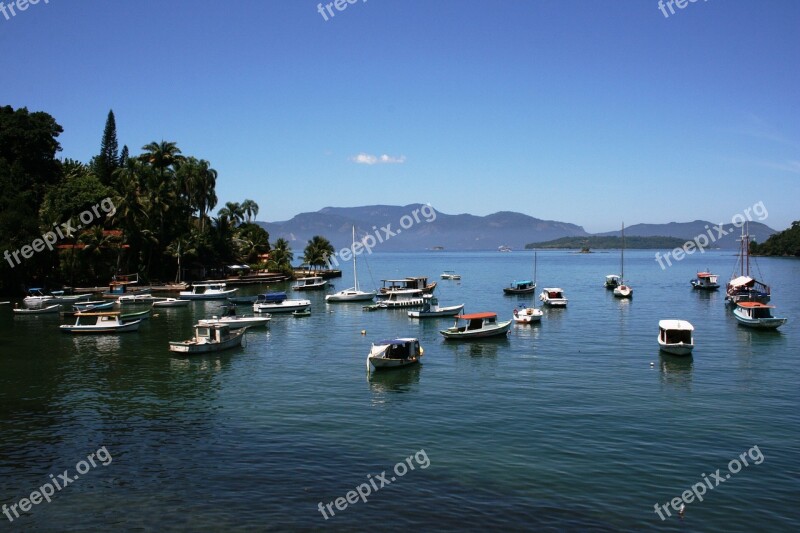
x=585 y=244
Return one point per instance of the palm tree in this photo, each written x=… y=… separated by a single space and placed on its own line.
x=233 y=212
x=281 y=253
x=317 y=251
x=196 y=182
x=250 y=209
x=162 y=156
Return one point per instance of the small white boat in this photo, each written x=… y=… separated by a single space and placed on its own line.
x=60 y=297
x=207 y=291
x=394 y=353
x=527 y=315
x=171 y=302
x=100 y=323
x=450 y=274
x=478 y=325
x=313 y=283
x=402 y=298
x=276 y=302
x=757 y=315
x=353 y=294
x=144 y=298
x=432 y=309
x=234 y=321
x=37 y=297
x=622 y=290
x=705 y=281
x=553 y=297
x=37 y=310
x=675 y=337
x=612 y=281
x=209 y=339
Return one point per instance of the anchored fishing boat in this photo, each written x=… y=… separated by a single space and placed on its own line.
x=207 y=339
x=402 y=298
x=675 y=337
x=553 y=297
x=234 y=321
x=314 y=283
x=757 y=315
x=100 y=323
x=432 y=309
x=207 y=291
x=411 y=283
x=612 y=281
x=37 y=310
x=171 y=302
x=705 y=281
x=745 y=288
x=527 y=315
x=450 y=274
x=394 y=353
x=477 y=325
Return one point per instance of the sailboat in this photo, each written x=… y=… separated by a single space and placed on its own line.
x=353 y=294
x=622 y=290
x=745 y=288
x=524 y=286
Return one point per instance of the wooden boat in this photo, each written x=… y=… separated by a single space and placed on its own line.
x=313 y=283
x=520 y=287
x=207 y=291
x=745 y=288
x=527 y=315
x=411 y=283
x=94 y=305
x=432 y=309
x=757 y=315
x=394 y=353
x=402 y=298
x=553 y=297
x=675 y=337
x=235 y=321
x=478 y=325
x=705 y=281
x=353 y=294
x=622 y=290
x=37 y=310
x=100 y=323
x=209 y=339
x=171 y=302
x=612 y=281
x=276 y=302
x=450 y=274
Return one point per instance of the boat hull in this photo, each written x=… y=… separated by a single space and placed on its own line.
x=248 y=322
x=623 y=291
x=193 y=348
x=101 y=330
x=376 y=364
x=355 y=296
x=185 y=295
x=758 y=323
x=38 y=311
x=171 y=303
x=442 y=312
x=679 y=348
x=287 y=306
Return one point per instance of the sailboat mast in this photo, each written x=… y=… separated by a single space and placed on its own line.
x=622 y=256
x=355 y=270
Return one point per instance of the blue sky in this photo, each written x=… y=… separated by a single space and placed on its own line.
x=578 y=111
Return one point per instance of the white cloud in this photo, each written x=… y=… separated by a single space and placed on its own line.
x=369 y=159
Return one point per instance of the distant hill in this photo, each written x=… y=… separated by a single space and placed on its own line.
x=785 y=243
x=689 y=230
x=471 y=232
x=452 y=232
x=606 y=243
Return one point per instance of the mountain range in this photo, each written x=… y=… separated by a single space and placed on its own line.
x=420 y=227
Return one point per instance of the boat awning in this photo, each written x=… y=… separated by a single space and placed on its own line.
x=675 y=324
x=474 y=316
x=394 y=341
x=754 y=305
x=742 y=281
x=523 y=282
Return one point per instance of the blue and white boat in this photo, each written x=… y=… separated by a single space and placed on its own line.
x=277 y=302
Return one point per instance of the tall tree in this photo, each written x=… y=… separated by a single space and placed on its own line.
x=123 y=156
x=108 y=160
x=250 y=209
x=317 y=251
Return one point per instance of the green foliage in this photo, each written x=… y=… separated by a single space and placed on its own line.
x=317 y=251
x=108 y=160
x=606 y=243
x=785 y=243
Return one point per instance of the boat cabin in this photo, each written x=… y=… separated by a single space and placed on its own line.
x=212 y=334
x=524 y=284
x=756 y=310
x=202 y=288
x=555 y=293
x=400 y=348
x=477 y=321
x=409 y=283
x=271 y=298
x=675 y=331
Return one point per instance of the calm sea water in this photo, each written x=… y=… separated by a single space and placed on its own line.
x=576 y=423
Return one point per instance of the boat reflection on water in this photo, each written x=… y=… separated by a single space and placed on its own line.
x=483 y=348
x=676 y=370
x=397 y=380
x=97 y=344
x=212 y=362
